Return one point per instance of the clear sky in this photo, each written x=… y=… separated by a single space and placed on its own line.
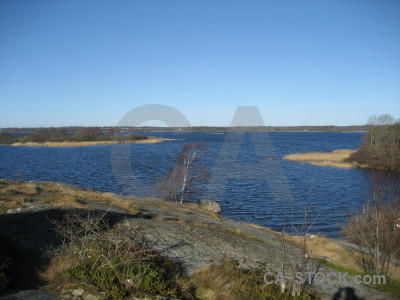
x=88 y=62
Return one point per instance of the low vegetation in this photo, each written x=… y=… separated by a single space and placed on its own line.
x=120 y=267
x=333 y=159
x=60 y=137
x=15 y=194
x=238 y=232
x=391 y=286
x=109 y=259
x=374 y=230
x=226 y=281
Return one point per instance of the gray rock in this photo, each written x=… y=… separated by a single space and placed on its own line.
x=210 y=205
x=31 y=295
x=29 y=207
x=78 y=292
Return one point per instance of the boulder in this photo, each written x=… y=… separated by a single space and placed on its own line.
x=210 y=205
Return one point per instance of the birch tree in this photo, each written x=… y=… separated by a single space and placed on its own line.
x=183 y=178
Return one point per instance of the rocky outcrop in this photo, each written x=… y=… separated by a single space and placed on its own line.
x=190 y=236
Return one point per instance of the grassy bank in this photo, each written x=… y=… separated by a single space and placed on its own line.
x=330 y=159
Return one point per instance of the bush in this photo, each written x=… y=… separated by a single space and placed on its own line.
x=109 y=259
x=120 y=269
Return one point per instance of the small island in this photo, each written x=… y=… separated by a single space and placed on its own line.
x=61 y=137
x=148 y=140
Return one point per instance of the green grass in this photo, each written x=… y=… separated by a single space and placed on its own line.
x=392 y=286
x=121 y=275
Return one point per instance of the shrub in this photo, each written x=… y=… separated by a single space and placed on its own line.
x=120 y=269
x=110 y=259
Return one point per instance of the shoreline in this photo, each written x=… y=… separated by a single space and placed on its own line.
x=150 y=140
x=326 y=159
x=44 y=195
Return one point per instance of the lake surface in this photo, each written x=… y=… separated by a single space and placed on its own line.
x=247 y=176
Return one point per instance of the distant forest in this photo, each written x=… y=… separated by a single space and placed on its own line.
x=76 y=129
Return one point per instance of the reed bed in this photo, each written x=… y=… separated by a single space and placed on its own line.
x=332 y=159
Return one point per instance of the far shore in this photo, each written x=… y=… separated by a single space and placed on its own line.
x=149 y=140
x=329 y=159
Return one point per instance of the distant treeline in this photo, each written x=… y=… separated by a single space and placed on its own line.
x=328 y=128
x=85 y=134
x=380 y=148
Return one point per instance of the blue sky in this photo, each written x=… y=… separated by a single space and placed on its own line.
x=88 y=62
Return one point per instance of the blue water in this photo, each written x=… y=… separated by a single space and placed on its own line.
x=247 y=176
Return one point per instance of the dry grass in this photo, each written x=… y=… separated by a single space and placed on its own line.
x=201 y=224
x=57 y=267
x=212 y=283
x=150 y=140
x=255 y=226
x=331 y=159
x=321 y=246
x=175 y=221
x=15 y=195
x=158 y=218
x=226 y=281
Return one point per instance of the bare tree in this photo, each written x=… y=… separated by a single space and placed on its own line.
x=187 y=171
x=294 y=258
x=374 y=229
x=380 y=148
x=377 y=124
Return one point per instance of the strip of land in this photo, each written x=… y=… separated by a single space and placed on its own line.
x=149 y=140
x=329 y=159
